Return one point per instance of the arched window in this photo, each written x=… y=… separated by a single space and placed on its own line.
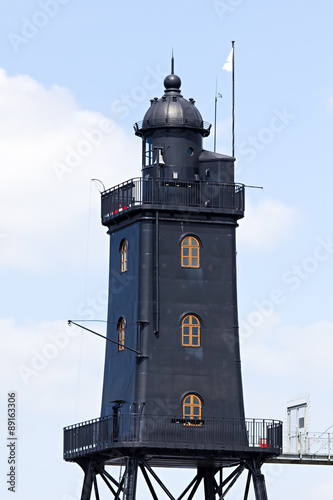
x=190 y=331
x=192 y=410
x=121 y=334
x=190 y=252
x=123 y=256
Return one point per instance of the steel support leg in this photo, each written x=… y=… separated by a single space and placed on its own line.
x=209 y=483
x=259 y=486
x=247 y=487
x=88 y=481
x=258 y=479
x=130 y=478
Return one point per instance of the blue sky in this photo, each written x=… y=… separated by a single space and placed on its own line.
x=76 y=73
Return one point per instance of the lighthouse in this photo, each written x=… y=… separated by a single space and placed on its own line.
x=172 y=389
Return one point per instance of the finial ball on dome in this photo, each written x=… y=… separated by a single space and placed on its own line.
x=172 y=82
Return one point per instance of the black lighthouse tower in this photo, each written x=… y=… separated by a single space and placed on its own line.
x=172 y=392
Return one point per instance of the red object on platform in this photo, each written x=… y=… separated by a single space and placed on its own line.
x=263 y=443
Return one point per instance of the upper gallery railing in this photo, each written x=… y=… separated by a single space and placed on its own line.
x=174 y=122
x=165 y=193
x=167 y=432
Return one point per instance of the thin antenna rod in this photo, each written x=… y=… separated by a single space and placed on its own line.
x=233 y=98
x=70 y=322
x=217 y=96
x=172 y=64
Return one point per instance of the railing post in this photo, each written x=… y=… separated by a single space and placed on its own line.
x=306 y=445
x=329 y=446
x=299 y=438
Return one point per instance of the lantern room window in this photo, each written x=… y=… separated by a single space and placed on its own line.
x=148 y=153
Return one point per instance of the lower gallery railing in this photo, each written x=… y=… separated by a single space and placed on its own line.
x=171 y=432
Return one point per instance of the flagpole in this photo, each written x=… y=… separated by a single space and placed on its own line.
x=233 y=98
x=215 y=116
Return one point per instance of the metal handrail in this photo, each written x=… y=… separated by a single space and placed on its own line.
x=175 y=122
x=183 y=194
x=310 y=443
x=171 y=432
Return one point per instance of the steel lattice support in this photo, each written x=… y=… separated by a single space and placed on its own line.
x=213 y=489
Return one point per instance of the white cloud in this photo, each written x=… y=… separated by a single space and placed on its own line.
x=290 y=351
x=280 y=361
x=55 y=360
x=266 y=225
x=63 y=387
x=49 y=151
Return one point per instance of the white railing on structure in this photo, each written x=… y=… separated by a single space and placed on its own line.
x=310 y=443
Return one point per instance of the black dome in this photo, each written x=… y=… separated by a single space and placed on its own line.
x=172 y=110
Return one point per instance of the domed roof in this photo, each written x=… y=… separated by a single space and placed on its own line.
x=172 y=110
